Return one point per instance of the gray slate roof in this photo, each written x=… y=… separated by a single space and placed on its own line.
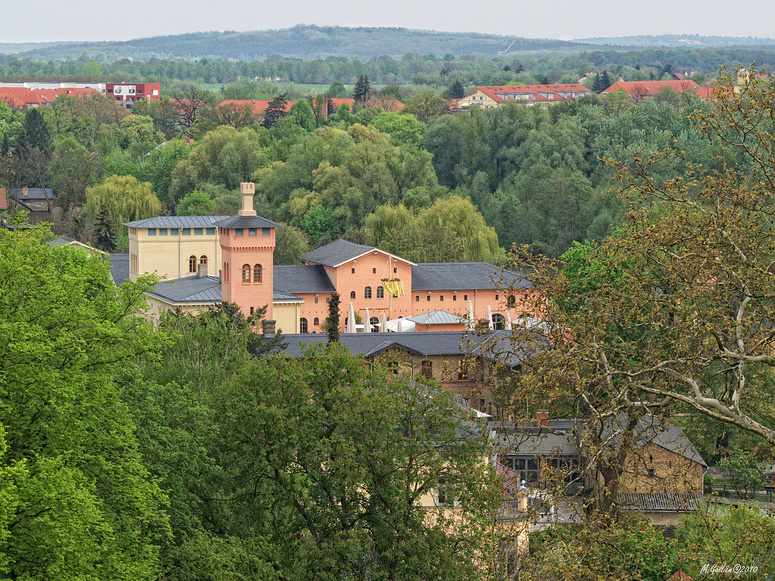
x=436 y=276
x=284 y=297
x=247 y=222
x=177 y=222
x=534 y=440
x=437 y=318
x=189 y=289
x=120 y=270
x=32 y=194
x=450 y=343
x=302 y=279
x=661 y=433
x=336 y=253
x=556 y=439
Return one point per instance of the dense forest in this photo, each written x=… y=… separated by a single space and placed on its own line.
x=416 y=68
x=534 y=176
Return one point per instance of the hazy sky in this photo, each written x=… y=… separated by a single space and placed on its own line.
x=49 y=20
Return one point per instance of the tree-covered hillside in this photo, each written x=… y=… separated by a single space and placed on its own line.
x=303 y=41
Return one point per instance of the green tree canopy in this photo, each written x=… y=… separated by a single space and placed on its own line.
x=226 y=156
x=332 y=460
x=86 y=507
x=125 y=197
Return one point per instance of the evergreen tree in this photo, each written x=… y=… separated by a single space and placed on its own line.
x=456 y=90
x=362 y=89
x=35 y=132
x=605 y=81
x=331 y=324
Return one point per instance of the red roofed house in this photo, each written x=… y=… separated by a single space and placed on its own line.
x=24 y=98
x=491 y=97
x=640 y=90
x=258 y=107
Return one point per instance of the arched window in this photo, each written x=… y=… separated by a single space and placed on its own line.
x=380 y=292
x=498 y=322
x=316 y=322
x=245 y=273
x=374 y=322
x=303 y=325
x=257 y=273
x=367 y=292
x=203 y=259
x=511 y=301
x=352 y=294
x=192 y=263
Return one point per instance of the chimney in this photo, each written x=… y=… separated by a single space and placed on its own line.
x=247 y=189
x=542 y=418
x=201 y=271
x=268 y=327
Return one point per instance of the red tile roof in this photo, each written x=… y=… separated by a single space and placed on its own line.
x=3 y=200
x=711 y=93
x=257 y=107
x=544 y=93
x=24 y=97
x=638 y=90
x=339 y=102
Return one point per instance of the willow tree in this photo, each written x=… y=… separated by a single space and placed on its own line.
x=125 y=197
x=677 y=308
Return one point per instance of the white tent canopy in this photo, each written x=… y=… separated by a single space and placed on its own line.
x=406 y=325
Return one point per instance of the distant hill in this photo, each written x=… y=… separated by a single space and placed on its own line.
x=312 y=42
x=303 y=41
x=677 y=41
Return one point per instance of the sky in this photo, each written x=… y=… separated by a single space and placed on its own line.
x=93 y=20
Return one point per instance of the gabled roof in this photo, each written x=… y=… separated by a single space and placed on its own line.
x=431 y=276
x=176 y=222
x=302 y=279
x=642 y=89
x=188 y=290
x=247 y=222
x=439 y=317
x=67 y=241
x=341 y=251
x=653 y=430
